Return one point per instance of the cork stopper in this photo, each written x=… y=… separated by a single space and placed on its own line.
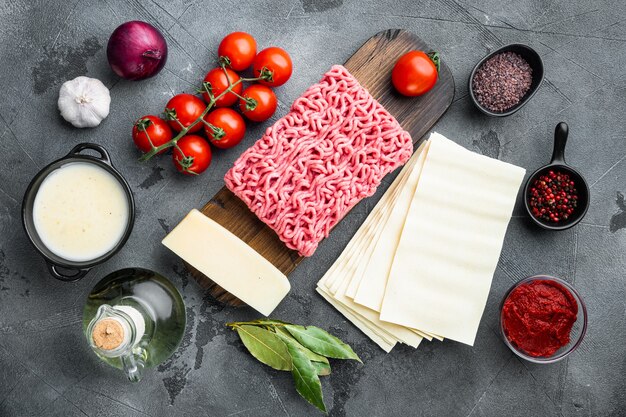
x=108 y=334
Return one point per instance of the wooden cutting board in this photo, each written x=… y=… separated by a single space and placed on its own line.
x=371 y=64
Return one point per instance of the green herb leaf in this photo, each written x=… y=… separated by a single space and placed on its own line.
x=266 y=346
x=319 y=362
x=322 y=369
x=321 y=342
x=269 y=322
x=305 y=375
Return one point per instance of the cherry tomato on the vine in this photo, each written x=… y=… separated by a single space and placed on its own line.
x=187 y=108
x=151 y=129
x=219 y=83
x=259 y=104
x=195 y=157
x=239 y=48
x=415 y=73
x=230 y=128
x=275 y=60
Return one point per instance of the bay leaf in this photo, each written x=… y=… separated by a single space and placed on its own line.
x=321 y=342
x=322 y=369
x=319 y=362
x=259 y=322
x=305 y=376
x=266 y=346
x=269 y=321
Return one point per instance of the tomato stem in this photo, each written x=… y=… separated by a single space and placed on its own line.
x=250 y=103
x=434 y=56
x=218 y=132
x=230 y=84
x=141 y=125
x=179 y=123
x=239 y=95
x=224 y=61
x=266 y=74
x=208 y=88
x=185 y=161
x=250 y=80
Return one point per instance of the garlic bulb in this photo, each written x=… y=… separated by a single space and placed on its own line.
x=84 y=101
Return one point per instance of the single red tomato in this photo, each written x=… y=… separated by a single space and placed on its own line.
x=195 y=157
x=187 y=108
x=415 y=73
x=277 y=62
x=219 y=83
x=230 y=128
x=151 y=129
x=259 y=104
x=239 y=49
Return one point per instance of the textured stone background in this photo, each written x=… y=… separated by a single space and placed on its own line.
x=46 y=367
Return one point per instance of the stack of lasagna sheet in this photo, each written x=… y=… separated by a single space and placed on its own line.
x=421 y=265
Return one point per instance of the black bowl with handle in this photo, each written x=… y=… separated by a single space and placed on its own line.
x=557 y=163
x=60 y=268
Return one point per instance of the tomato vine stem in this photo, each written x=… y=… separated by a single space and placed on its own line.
x=141 y=125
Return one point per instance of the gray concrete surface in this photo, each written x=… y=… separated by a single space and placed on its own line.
x=46 y=367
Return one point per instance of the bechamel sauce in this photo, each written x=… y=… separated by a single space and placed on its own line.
x=80 y=211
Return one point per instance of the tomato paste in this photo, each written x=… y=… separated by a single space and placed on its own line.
x=538 y=316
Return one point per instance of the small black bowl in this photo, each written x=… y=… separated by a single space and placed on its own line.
x=77 y=270
x=558 y=163
x=535 y=62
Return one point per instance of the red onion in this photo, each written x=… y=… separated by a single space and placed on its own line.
x=136 y=50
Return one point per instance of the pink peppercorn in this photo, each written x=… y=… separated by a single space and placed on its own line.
x=554 y=202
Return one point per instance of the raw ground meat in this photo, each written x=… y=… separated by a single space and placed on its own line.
x=314 y=164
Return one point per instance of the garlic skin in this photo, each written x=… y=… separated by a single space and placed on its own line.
x=84 y=101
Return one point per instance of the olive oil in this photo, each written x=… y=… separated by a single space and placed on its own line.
x=134 y=319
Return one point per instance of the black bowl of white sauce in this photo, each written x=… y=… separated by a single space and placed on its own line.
x=78 y=212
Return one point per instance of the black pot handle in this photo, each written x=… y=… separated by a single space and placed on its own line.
x=560 y=140
x=67 y=278
x=104 y=155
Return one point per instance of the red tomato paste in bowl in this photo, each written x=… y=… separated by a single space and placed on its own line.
x=538 y=316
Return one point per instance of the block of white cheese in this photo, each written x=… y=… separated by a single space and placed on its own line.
x=228 y=261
